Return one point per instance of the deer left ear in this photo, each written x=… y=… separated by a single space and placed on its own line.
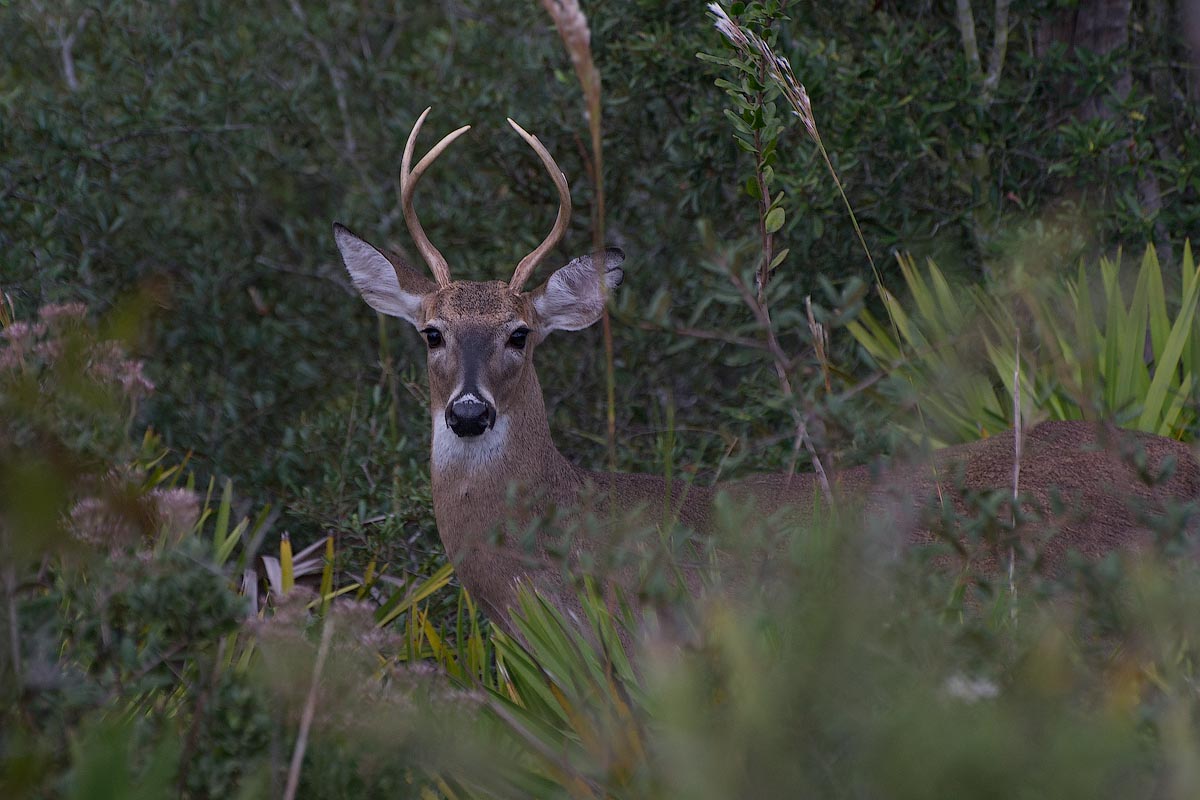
x=572 y=299
x=388 y=285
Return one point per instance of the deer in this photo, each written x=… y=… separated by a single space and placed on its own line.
x=491 y=440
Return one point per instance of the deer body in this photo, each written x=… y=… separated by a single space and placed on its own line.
x=491 y=440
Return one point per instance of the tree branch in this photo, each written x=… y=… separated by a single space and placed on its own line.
x=781 y=361
x=999 y=48
x=966 y=27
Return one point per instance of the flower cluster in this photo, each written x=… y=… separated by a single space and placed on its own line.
x=32 y=346
x=109 y=364
x=108 y=522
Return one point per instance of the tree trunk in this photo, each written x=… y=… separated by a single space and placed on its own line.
x=1190 y=14
x=1100 y=26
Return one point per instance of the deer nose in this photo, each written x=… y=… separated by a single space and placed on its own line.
x=468 y=415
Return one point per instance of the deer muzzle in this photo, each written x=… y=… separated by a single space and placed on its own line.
x=469 y=415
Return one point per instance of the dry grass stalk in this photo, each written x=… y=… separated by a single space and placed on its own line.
x=779 y=69
x=820 y=340
x=573 y=29
x=310 y=708
x=1016 y=480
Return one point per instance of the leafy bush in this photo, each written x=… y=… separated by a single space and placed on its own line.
x=177 y=168
x=1087 y=350
x=200 y=153
x=847 y=687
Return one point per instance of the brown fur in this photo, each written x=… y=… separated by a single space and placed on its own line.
x=485 y=313
x=1075 y=465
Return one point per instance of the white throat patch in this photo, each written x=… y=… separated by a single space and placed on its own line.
x=451 y=451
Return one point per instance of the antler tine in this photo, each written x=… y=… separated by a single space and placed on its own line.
x=408 y=184
x=529 y=263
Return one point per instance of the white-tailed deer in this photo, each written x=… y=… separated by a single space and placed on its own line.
x=491 y=439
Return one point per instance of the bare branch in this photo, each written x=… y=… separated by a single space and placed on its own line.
x=779 y=357
x=999 y=48
x=66 y=44
x=966 y=27
x=700 y=333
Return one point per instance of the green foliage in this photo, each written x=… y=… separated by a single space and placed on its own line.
x=146 y=678
x=820 y=682
x=104 y=763
x=131 y=659
x=121 y=622
x=756 y=121
x=1093 y=347
x=373 y=494
x=177 y=166
x=205 y=151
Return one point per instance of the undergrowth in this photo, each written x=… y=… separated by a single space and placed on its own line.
x=167 y=633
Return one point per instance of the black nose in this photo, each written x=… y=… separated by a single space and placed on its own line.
x=470 y=416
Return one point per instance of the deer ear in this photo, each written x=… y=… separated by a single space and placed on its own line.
x=573 y=299
x=388 y=285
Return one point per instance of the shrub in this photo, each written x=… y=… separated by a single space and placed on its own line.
x=1090 y=348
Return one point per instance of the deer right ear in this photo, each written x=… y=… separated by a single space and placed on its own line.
x=572 y=298
x=389 y=286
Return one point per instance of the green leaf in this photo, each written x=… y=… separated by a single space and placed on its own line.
x=408 y=596
x=1166 y=365
x=1156 y=300
x=221 y=528
x=1132 y=376
x=775 y=220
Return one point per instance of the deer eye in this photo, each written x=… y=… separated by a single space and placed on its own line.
x=433 y=337
x=517 y=338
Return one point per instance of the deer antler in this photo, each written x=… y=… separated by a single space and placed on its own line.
x=408 y=184
x=529 y=263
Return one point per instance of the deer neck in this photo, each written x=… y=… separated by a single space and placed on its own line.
x=472 y=477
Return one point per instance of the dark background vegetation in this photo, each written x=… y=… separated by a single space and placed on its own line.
x=177 y=167
x=194 y=155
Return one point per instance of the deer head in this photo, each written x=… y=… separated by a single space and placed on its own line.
x=481 y=335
